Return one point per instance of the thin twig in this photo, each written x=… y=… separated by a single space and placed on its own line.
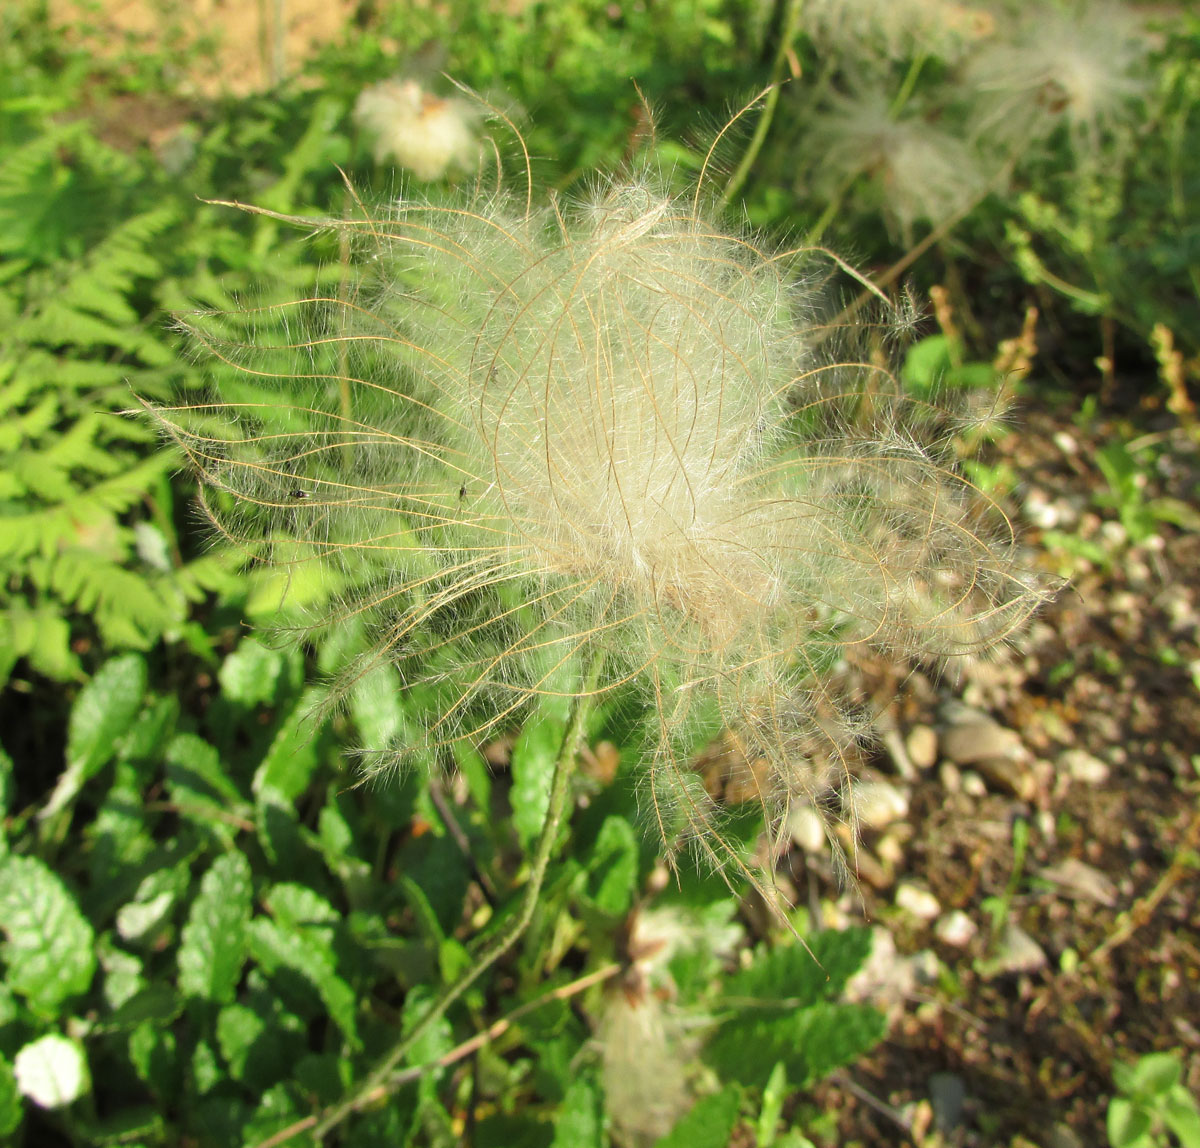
x=841 y=1080
x=1142 y=910
x=462 y=1051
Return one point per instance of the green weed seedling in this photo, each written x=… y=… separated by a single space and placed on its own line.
x=1152 y=1104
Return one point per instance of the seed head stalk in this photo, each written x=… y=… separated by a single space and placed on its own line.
x=380 y=1081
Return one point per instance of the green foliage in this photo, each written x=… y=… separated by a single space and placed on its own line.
x=709 y=1125
x=48 y=950
x=792 y=1019
x=211 y=931
x=1152 y=1104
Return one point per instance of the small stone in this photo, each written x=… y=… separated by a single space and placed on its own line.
x=879 y=803
x=1082 y=766
x=921 y=903
x=948 y=1095
x=890 y=850
x=951 y=777
x=973 y=785
x=1063 y=1136
x=922 y=746
x=1011 y=776
x=955 y=929
x=806 y=828
x=1017 y=952
x=1080 y=878
x=1065 y=442
x=974 y=741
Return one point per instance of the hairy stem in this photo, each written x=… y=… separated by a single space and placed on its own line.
x=384 y=1076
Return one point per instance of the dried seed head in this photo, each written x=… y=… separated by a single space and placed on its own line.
x=533 y=433
x=423 y=133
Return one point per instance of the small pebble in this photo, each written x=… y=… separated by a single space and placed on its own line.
x=1011 y=776
x=973 y=785
x=879 y=803
x=922 y=746
x=890 y=850
x=974 y=741
x=956 y=929
x=1065 y=442
x=1082 y=766
x=919 y=902
x=1017 y=952
x=1083 y=880
x=806 y=828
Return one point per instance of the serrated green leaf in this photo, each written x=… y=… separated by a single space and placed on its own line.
x=376 y=708
x=157 y=1004
x=613 y=867
x=11 y=1110
x=156 y=897
x=250 y=675
x=709 y=1124
x=213 y=945
x=49 y=951
x=274 y=945
x=437 y=1040
x=579 y=1123
x=123 y=977
x=290 y=761
x=153 y=1055
x=792 y=975
x=534 y=756
x=809 y=1042
x=238 y=1030
x=199 y=786
x=105 y=708
x=207 y=1071
x=298 y=907
x=52 y=1071
x=276 y=1111
x=151 y=729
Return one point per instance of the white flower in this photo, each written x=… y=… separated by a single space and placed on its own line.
x=427 y=135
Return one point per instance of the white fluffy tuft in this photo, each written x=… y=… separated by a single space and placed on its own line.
x=539 y=433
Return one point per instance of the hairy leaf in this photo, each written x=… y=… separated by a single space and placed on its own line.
x=49 y=951
x=213 y=945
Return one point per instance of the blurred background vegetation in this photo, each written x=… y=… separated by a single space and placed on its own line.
x=211 y=934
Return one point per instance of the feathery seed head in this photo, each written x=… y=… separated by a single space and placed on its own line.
x=898 y=27
x=1081 y=67
x=917 y=170
x=427 y=135
x=529 y=434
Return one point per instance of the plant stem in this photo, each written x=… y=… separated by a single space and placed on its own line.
x=787 y=34
x=383 y=1078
